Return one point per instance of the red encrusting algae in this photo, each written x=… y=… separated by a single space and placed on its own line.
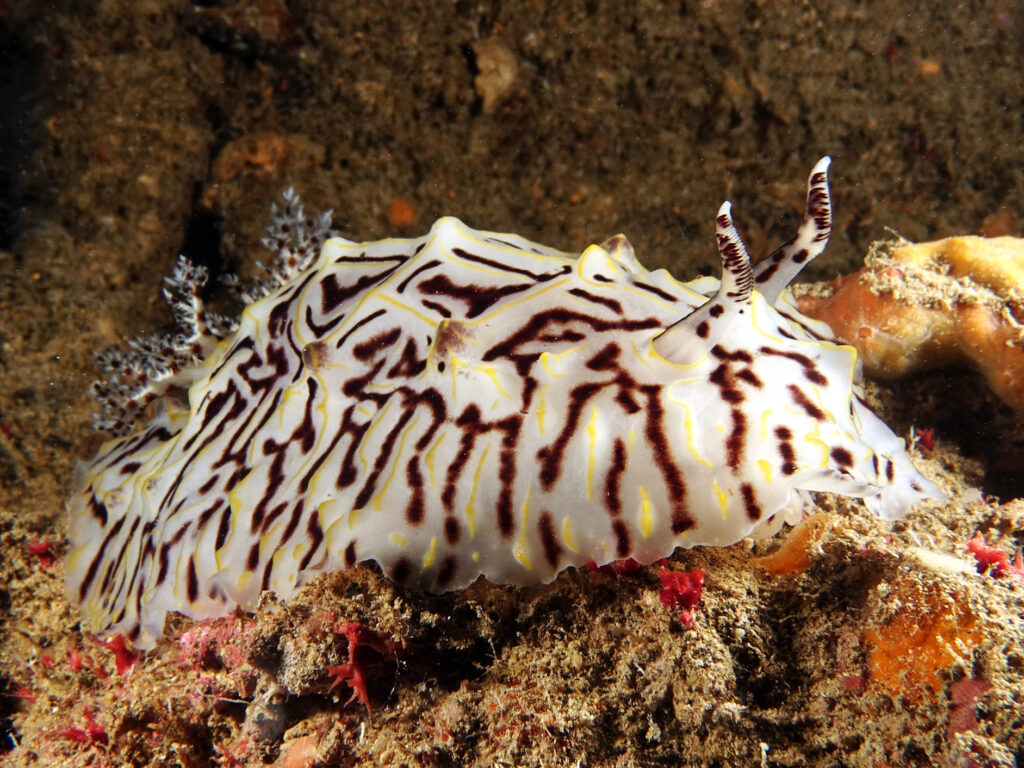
x=993 y=560
x=682 y=589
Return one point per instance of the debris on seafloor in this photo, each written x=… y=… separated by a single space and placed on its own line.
x=794 y=554
x=918 y=306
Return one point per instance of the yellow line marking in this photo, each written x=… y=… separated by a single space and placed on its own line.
x=520 y=551
x=647 y=296
x=353 y=516
x=723 y=500
x=491 y=372
x=378 y=498
x=428 y=321
x=640 y=357
x=471 y=504
x=813 y=439
x=567 y=535
x=431 y=556
x=429 y=456
x=691 y=443
x=547 y=358
x=542 y=407
x=646 y=514
x=592 y=451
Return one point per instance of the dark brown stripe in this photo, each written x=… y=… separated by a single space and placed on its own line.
x=90 y=574
x=415 y=509
x=477 y=298
x=293 y=521
x=321 y=330
x=766 y=270
x=750 y=502
x=208 y=485
x=165 y=550
x=207 y=514
x=275 y=513
x=419 y=270
x=549 y=539
x=223 y=528
x=446 y=572
x=315 y=536
x=333 y=293
x=368 y=319
x=750 y=377
x=253 y=559
x=401 y=570
x=621 y=531
x=801 y=399
x=98 y=510
x=786 y=450
x=722 y=378
x=536 y=328
x=613 y=479
x=381 y=461
x=442 y=310
x=452 y=530
x=409 y=364
x=655 y=433
x=368 y=349
x=841 y=456
x=604 y=301
x=551 y=456
x=192 y=588
x=539 y=277
x=655 y=290
x=811 y=371
x=736 y=442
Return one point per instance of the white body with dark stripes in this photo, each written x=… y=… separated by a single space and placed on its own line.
x=470 y=404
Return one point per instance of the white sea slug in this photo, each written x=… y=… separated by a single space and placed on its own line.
x=465 y=404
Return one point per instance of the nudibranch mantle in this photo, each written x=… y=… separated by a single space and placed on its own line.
x=469 y=404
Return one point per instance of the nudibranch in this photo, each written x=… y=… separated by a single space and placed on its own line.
x=464 y=404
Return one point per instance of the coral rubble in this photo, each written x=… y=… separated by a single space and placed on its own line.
x=918 y=306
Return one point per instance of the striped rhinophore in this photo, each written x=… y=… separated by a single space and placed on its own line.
x=468 y=404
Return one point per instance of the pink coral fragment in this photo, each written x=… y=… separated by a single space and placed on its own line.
x=124 y=659
x=681 y=589
x=93 y=733
x=994 y=560
x=43 y=550
x=351 y=672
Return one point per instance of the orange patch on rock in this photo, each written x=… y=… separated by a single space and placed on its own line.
x=928 y=633
x=402 y=212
